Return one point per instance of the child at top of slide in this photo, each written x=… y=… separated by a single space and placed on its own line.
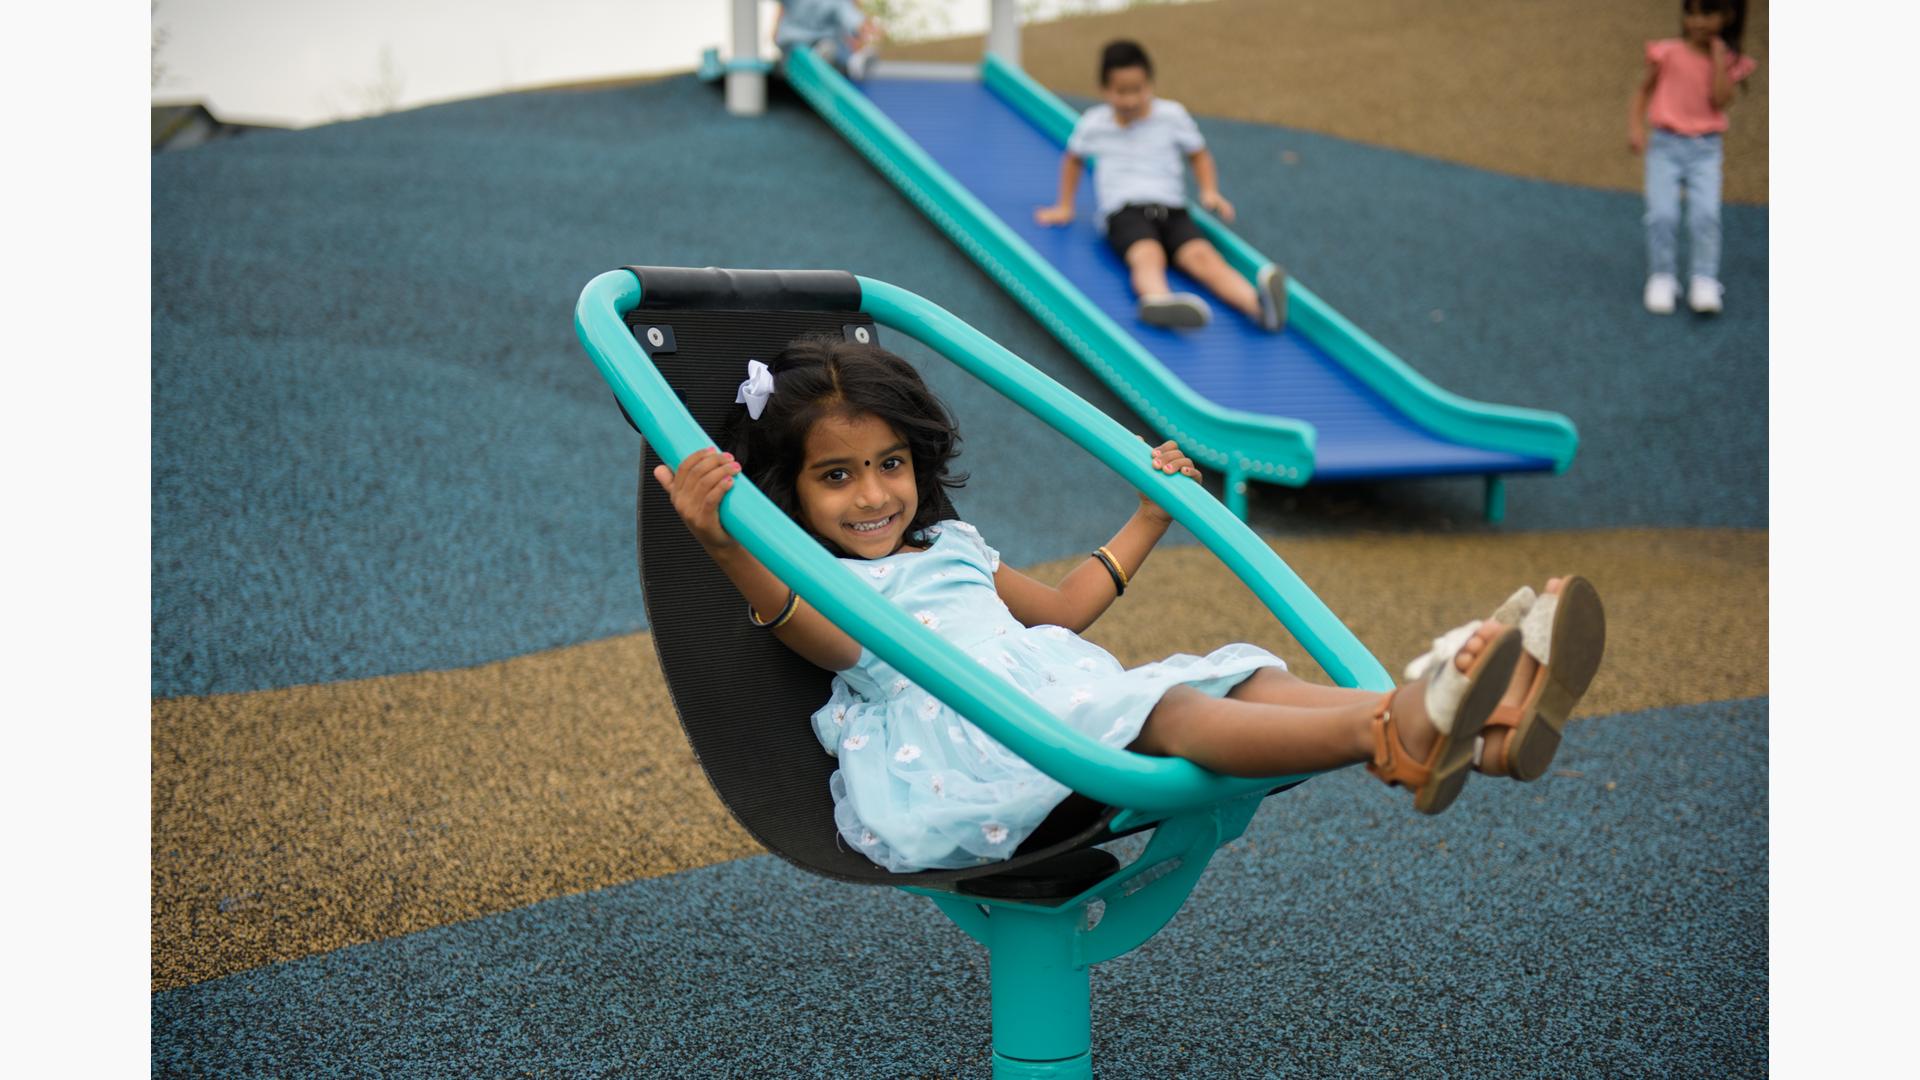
x=841 y=30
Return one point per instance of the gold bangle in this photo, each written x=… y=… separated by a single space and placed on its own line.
x=1106 y=561
x=1125 y=578
x=786 y=612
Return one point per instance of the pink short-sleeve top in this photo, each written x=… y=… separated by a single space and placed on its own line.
x=1683 y=92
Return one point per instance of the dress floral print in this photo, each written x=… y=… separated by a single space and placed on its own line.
x=921 y=787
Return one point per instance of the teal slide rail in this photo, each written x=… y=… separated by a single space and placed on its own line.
x=1148 y=785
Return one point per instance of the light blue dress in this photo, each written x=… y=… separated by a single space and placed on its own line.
x=919 y=787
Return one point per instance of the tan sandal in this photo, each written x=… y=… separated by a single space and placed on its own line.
x=1458 y=703
x=1511 y=610
x=1567 y=633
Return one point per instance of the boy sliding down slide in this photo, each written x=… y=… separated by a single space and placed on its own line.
x=1140 y=142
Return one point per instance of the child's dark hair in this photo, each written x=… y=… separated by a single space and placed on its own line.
x=817 y=377
x=1123 y=54
x=1734 y=10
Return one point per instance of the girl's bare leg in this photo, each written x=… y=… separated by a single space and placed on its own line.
x=1238 y=737
x=1245 y=738
x=1272 y=686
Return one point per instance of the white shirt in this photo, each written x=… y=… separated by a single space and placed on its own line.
x=1143 y=162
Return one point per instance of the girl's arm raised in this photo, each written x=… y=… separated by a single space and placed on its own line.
x=703 y=478
x=1085 y=593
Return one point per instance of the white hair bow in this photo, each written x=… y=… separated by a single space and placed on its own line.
x=755 y=389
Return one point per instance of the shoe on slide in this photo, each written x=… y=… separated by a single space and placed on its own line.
x=1179 y=310
x=1272 y=288
x=860 y=64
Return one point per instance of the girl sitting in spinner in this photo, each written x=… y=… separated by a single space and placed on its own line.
x=851 y=444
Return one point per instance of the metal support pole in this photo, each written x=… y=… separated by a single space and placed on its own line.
x=746 y=87
x=1003 y=30
x=1042 y=996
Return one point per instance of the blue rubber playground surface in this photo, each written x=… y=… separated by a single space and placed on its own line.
x=378 y=449
x=1611 y=929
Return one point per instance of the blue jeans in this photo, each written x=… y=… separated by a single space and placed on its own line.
x=1677 y=163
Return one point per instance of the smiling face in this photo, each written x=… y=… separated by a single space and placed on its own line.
x=856 y=485
x=1129 y=90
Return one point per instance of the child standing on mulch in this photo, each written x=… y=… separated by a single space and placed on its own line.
x=1141 y=143
x=1685 y=91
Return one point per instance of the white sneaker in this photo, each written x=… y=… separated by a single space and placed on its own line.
x=1662 y=291
x=1703 y=295
x=1272 y=288
x=1181 y=310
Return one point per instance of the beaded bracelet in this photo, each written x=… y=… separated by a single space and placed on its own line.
x=786 y=612
x=1113 y=570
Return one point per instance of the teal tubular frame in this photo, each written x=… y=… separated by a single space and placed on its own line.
x=1116 y=777
x=1041 y=953
x=1243 y=445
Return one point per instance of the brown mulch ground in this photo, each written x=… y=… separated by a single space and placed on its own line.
x=294 y=821
x=1535 y=88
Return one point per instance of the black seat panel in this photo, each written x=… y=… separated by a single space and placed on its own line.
x=745 y=700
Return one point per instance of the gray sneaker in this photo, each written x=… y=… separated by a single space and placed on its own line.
x=1272 y=288
x=1179 y=310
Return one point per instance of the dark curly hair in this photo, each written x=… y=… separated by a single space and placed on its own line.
x=817 y=377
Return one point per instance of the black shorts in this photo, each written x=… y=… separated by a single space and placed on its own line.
x=1134 y=222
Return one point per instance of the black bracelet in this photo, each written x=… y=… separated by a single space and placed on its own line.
x=1119 y=583
x=786 y=612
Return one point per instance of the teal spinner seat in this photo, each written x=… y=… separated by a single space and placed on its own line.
x=672 y=343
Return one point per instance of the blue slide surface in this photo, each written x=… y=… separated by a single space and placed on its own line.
x=1012 y=166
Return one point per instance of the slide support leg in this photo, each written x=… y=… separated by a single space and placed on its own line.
x=1235 y=492
x=1496 y=498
